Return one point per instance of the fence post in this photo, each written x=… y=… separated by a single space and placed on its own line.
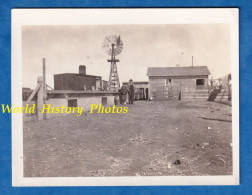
x=40 y=99
x=180 y=92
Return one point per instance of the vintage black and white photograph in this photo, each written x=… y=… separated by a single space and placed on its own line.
x=128 y=100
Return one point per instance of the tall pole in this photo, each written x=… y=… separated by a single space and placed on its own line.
x=192 y=61
x=112 y=58
x=44 y=85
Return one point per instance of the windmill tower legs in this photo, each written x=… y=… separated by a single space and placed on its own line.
x=114 y=83
x=113 y=46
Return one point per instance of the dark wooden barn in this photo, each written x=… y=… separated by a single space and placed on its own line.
x=81 y=81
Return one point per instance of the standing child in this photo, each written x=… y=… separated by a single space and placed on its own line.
x=124 y=92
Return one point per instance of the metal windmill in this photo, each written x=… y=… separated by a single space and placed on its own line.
x=113 y=46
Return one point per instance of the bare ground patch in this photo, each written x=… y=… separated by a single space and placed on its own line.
x=149 y=140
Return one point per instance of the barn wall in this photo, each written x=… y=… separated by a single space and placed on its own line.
x=58 y=82
x=74 y=82
x=188 y=84
x=155 y=84
x=88 y=81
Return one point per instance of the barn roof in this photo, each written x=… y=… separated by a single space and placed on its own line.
x=74 y=74
x=178 y=71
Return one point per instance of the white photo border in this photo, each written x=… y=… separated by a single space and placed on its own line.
x=120 y=16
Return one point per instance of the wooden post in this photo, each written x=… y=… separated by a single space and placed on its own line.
x=40 y=99
x=44 y=81
x=180 y=92
x=44 y=86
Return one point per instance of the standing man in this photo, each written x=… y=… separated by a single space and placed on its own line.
x=131 y=92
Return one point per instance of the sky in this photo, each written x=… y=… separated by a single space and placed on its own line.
x=159 y=45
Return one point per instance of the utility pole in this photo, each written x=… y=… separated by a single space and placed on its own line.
x=192 y=61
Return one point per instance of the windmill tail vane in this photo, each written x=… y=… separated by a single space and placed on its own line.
x=118 y=40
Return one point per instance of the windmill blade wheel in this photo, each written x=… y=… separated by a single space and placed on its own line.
x=110 y=41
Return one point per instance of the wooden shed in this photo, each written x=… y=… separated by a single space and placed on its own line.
x=170 y=81
x=141 y=89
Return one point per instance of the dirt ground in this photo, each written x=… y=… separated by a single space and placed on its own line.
x=153 y=138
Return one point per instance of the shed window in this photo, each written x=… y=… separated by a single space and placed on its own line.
x=72 y=103
x=200 y=81
x=168 y=82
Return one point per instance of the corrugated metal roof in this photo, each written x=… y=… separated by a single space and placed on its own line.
x=178 y=71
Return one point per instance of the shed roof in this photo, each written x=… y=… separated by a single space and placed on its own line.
x=74 y=74
x=137 y=82
x=178 y=71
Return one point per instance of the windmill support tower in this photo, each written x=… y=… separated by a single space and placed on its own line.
x=113 y=46
x=114 y=83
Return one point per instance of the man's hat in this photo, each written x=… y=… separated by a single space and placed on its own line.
x=130 y=80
